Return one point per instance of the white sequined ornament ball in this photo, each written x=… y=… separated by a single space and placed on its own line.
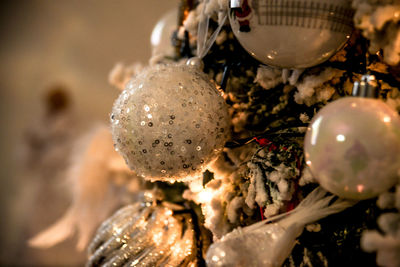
x=352 y=147
x=169 y=123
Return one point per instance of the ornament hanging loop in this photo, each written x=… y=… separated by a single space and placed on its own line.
x=204 y=45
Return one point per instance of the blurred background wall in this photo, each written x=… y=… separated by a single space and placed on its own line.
x=68 y=43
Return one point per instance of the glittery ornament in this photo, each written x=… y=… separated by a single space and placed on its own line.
x=169 y=123
x=352 y=147
x=268 y=243
x=143 y=234
x=291 y=34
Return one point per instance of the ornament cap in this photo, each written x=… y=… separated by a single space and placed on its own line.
x=195 y=62
x=367 y=87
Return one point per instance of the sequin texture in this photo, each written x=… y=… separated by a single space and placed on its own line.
x=184 y=130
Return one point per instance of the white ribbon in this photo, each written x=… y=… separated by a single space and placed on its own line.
x=204 y=45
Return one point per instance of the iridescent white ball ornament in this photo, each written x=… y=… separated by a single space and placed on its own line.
x=352 y=147
x=289 y=33
x=169 y=123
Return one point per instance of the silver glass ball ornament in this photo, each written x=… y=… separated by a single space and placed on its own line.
x=289 y=33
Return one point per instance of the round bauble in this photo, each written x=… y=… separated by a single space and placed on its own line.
x=161 y=36
x=292 y=34
x=352 y=147
x=169 y=123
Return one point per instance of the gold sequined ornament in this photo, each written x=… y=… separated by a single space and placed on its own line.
x=289 y=33
x=169 y=123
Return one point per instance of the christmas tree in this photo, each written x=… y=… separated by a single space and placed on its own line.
x=262 y=133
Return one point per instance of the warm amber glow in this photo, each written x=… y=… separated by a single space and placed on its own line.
x=340 y=138
x=185 y=14
x=387 y=119
x=205 y=196
x=360 y=188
